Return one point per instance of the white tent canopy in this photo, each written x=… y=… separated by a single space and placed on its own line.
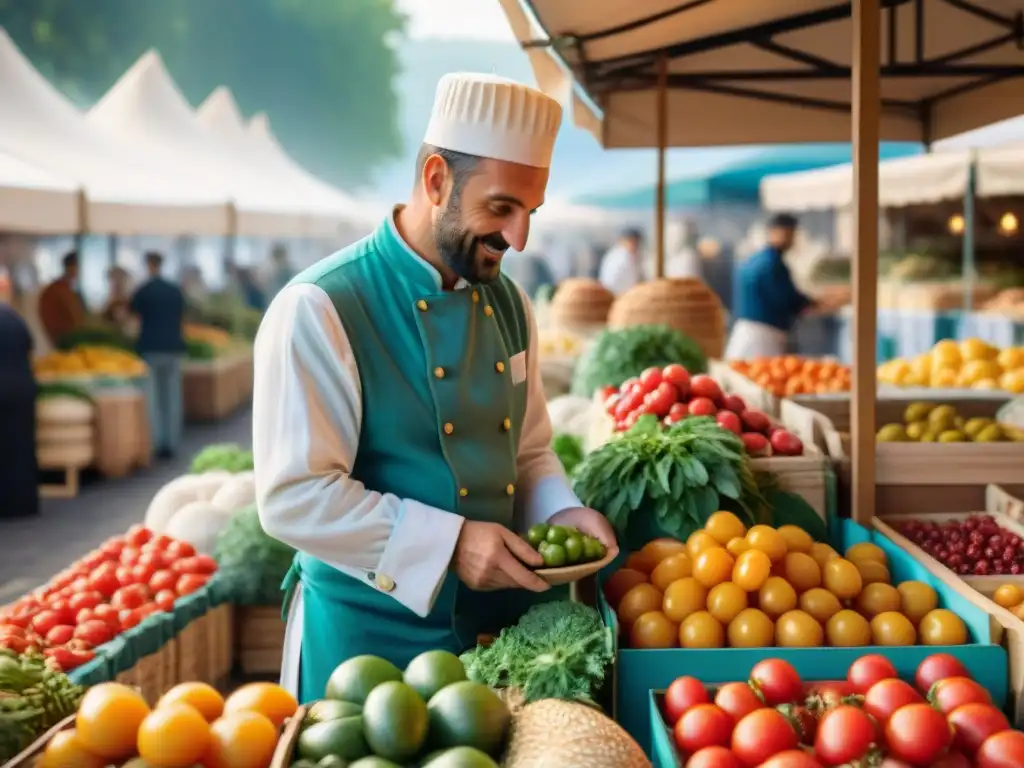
x=1000 y=171
x=146 y=112
x=34 y=201
x=126 y=193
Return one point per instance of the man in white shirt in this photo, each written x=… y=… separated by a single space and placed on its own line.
x=400 y=434
x=621 y=267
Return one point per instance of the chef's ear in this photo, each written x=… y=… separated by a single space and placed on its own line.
x=435 y=179
x=440 y=173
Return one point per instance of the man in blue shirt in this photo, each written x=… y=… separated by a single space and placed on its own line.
x=766 y=302
x=160 y=306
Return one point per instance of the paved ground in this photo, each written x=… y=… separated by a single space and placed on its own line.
x=33 y=550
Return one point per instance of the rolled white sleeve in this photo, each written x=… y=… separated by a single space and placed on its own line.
x=542 y=487
x=307 y=414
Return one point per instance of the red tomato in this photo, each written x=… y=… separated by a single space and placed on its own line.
x=147 y=610
x=868 y=670
x=885 y=697
x=846 y=734
x=106 y=613
x=163 y=580
x=738 y=699
x=165 y=599
x=138 y=535
x=973 y=723
x=104 y=579
x=94 y=632
x=141 y=574
x=683 y=694
x=704 y=725
x=112 y=547
x=628 y=384
x=791 y=758
x=129 y=555
x=650 y=379
x=952 y=692
x=937 y=667
x=918 y=734
x=189 y=583
x=204 y=564
x=129 y=619
x=60 y=634
x=155 y=559
x=678 y=377
x=1003 y=750
x=952 y=760
x=125 y=574
x=93 y=560
x=80 y=584
x=777 y=682
x=628 y=403
x=84 y=615
x=14 y=643
x=89 y=599
x=44 y=621
x=127 y=598
x=802 y=720
x=63 y=609
x=158 y=543
x=713 y=757
x=760 y=735
x=68 y=658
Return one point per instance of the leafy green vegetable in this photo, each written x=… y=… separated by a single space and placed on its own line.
x=558 y=650
x=62 y=389
x=200 y=350
x=229 y=457
x=616 y=355
x=569 y=450
x=252 y=565
x=97 y=333
x=651 y=482
x=34 y=697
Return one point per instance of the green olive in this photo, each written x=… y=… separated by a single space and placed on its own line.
x=573 y=547
x=554 y=556
x=592 y=549
x=536 y=534
x=556 y=534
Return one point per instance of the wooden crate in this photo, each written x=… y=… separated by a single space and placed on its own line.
x=285 y=752
x=120 y=420
x=221 y=638
x=151 y=674
x=209 y=390
x=259 y=639
x=193 y=657
x=1007 y=629
x=29 y=757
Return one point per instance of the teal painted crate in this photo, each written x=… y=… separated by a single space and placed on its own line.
x=638 y=672
x=663 y=752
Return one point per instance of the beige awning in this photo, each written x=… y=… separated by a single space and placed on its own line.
x=34 y=201
x=1000 y=171
x=754 y=71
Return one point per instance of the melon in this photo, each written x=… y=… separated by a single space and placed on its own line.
x=198 y=523
x=238 y=491
x=179 y=492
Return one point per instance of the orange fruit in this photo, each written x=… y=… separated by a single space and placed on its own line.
x=173 y=736
x=820 y=603
x=268 y=699
x=641 y=561
x=737 y=546
x=66 y=750
x=1008 y=596
x=202 y=696
x=878 y=598
x=698 y=542
x=776 y=597
x=108 y=720
x=620 y=582
x=842 y=578
x=796 y=629
x=672 y=568
x=797 y=539
x=725 y=601
x=241 y=740
x=724 y=526
x=822 y=553
x=659 y=549
x=800 y=570
x=916 y=600
x=872 y=572
x=751 y=629
x=653 y=630
x=683 y=598
x=865 y=550
x=768 y=540
x=848 y=629
x=892 y=628
x=713 y=566
x=701 y=630
x=751 y=570
x=942 y=627
x=639 y=600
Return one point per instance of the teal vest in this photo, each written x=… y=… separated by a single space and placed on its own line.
x=441 y=422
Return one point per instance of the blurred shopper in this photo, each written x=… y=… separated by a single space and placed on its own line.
x=529 y=270
x=251 y=292
x=61 y=309
x=621 y=267
x=160 y=307
x=19 y=495
x=684 y=259
x=117 y=310
x=282 y=270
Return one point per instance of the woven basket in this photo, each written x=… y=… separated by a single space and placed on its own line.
x=580 y=304
x=685 y=304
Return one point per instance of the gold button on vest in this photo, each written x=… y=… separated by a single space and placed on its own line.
x=421 y=305
x=510 y=489
x=506 y=424
x=449 y=428
x=439 y=373
x=488 y=311
x=463 y=492
x=499 y=367
x=476 y=296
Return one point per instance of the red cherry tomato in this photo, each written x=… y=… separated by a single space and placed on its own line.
x=868 y=670
x=777 y=682
x=917 y=734
x=760 y=735
x=94 y=632
x=129 y=556
x=973 y=723
x=937 y=667
x=885 y=697
x=677 y=376
x=155 y=559
x=147 y=610
x=141 y=574
x=189 y=583
x=650 y=379
x=129 y=619
x=112 y=547
x=178 y=549
x=104 y=579
x=126 y=598
x=683 y=694
x=1003 y=750
x=946 y=695
x=163 y=580
x=106 y=613
x=738 y=699
x=713 y=757
x=93 y=560
x=84 y=615
x=660 y=401
x=704 y=725
x=846 y=734
x=88 y=599
x=165 y=599
x=60 y=634
x=791 y=758
x=44 y=621
x=68 y=658
x=63 y=609
x=138 y=535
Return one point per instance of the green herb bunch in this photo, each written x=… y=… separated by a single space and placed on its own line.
x=228 y=457
x=616 y=355
x=678 y=476
x=34 y=697
x=569 y=450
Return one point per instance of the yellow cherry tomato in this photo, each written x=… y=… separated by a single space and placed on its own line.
x=751 y=570
x=893 y=629
x=768 y=540
x=796 y=629
x=724 y=526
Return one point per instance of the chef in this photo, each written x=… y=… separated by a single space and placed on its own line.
x=401 y=436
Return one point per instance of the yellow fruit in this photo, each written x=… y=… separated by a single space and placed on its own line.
x=641 y=561
x=726 y=601
x=1011 y=358
x=1008 y=596
x=800 y=570
x=701 y=630
x=653 y=630
x=698 y=542
x=242 y=740
x=822 y=553
x=942 y=627
x=820 y=603
x=797 y=539
x=270 y=700
x=976 y=349
x=944 y=377
x=892 y=628
x=737 y=546
x=776 y=596
x=173 y=736
x=842 y=579
x=916 y=600
x=872 y=572
x=751 y=629
x=751 y=570
x=683 y=598
x=946 y=352
x=767 y=540
x=1013 y=381
x=865 y=550
x=713 y=566
x=205 y=698
x=672 y=568
x=724 y=526
x=638 y=601
x=878 y=598
x=620 y=582
x=978 y=370
x=796 y=629
x=660 y=549
x=65 y=750
x=848 y=629
x=108 y=720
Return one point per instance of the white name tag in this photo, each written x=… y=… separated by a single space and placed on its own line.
x=518 y=365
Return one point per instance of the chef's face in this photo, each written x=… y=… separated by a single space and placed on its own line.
x=483 y=213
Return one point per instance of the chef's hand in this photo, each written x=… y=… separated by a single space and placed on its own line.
x=589 y=522
x=489 y=556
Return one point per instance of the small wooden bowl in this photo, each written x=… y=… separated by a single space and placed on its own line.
x=570 y=573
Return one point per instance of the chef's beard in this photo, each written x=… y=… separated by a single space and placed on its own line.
x=463 y=251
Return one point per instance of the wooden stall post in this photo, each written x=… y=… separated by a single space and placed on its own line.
x=866 y=105
x=659 y=201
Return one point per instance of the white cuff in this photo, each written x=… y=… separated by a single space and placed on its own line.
x=549 y=496
x=417 y=555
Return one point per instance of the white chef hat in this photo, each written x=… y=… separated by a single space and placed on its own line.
x=493 y=117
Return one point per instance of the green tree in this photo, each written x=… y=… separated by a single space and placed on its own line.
x=323 y=70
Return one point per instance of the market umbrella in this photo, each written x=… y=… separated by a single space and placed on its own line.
x=34 y=201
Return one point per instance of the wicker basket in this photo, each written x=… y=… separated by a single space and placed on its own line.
x=580 y=304
x=685 y=304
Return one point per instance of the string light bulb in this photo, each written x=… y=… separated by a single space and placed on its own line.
x=1008 y=223
x=956 y=224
